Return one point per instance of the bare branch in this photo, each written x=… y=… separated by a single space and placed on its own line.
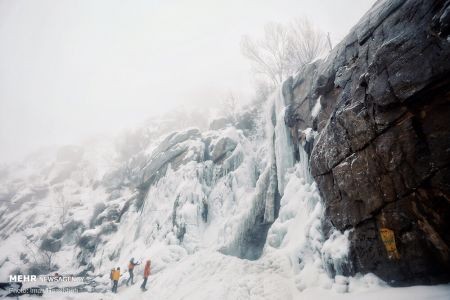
x=284 y=49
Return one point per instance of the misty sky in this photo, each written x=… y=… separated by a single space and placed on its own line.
x=71 y=69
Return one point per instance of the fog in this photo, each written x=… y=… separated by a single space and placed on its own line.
x=72 y=69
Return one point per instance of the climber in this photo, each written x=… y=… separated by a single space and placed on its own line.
x=131 y=266
x=115 y=277
x=111 y=276
x=146 y=274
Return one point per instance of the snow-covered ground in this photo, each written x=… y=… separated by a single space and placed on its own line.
x=211 y=275
x=222 y=214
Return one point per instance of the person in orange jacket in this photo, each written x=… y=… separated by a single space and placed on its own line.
x=146 y=274
x=115 y=278
x=111 y=276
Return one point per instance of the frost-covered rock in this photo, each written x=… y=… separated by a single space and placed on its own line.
x=172 y=147
x=223 y=147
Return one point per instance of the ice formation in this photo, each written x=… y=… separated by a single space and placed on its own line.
x=222 y=214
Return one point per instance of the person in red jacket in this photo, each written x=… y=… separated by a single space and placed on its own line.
x=146 y=274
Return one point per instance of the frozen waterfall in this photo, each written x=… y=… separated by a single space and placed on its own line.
x=235 y=198
x=298 y=229
x=283 y=146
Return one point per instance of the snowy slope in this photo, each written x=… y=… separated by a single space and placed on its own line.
x=222 y=214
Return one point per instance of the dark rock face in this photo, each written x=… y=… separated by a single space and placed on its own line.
x=382 y=157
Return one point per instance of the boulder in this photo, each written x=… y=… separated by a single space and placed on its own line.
x=171 y=148
x=222 y=148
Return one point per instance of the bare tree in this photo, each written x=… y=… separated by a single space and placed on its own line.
x=230 y=106
x=306 y=43
x=48 y=258
x=284 y=49
x=30 y=242
x=269 y=56
x=47 y=251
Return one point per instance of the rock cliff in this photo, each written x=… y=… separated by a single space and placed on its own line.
x=379 y=104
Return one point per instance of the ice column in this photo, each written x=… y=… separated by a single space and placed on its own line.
x=283 y=146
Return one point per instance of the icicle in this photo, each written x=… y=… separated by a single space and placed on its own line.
x=304 y=163
x=269 y=210
x=283 y=146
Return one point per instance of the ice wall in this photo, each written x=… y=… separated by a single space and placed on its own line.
x=218 y=191
x=297 y=232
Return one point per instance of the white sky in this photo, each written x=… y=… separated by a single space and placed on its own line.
x=70 y=69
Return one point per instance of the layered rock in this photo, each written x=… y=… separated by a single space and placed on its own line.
x=381 y=159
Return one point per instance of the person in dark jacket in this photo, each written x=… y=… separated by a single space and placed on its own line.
x=131 y=266
x=146 y=274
